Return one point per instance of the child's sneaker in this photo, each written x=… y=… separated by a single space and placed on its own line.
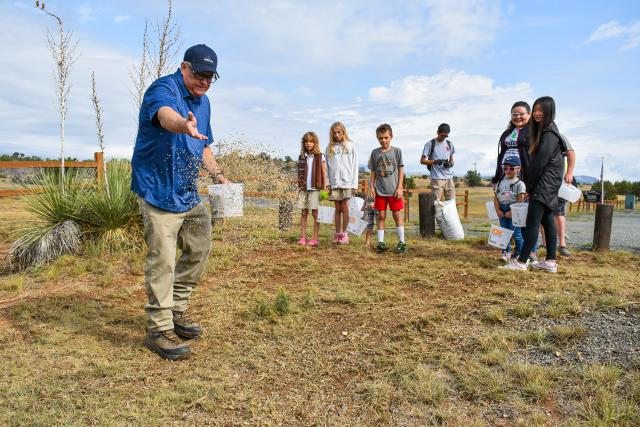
x=312 y=242
x=545 y=266
x=515 y=265
x=336 y=238
x=381 y=247
x=302 y=241
x=533 y=258
x=506 y=256
x=401 y=247
x=343 y=239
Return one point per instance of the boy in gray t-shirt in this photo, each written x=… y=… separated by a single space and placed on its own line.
x=387 y=175
x=438 y=156
x=510 y=190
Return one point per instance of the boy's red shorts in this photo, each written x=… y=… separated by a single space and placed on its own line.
x=380 y=203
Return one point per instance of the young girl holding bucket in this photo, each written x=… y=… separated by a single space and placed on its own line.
x=342 y=166
x=543 y=182
x=312 y=178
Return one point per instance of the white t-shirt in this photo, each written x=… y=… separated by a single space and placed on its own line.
x=440 y=152
x=309 y=158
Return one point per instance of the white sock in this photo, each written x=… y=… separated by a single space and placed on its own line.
x=400 y=231
x=380 y=235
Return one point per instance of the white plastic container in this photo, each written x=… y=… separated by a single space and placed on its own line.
x=325 y=214
x=519 y=214
x=226 y=200
x=448 y=220
x=569 y=192
x=356 y=225
x=491 y=211
x=355 y=206
x=499 y=237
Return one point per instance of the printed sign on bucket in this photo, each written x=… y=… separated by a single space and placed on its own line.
x=356 y=225
x=325 y=214
x=499 y=237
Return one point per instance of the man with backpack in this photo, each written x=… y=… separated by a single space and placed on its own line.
x=438 y=156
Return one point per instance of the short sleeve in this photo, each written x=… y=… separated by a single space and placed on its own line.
x=425 y=150
x=521 y=188
x=160 y=94
x=400 y=162
x=453 y=149
x=371 y=161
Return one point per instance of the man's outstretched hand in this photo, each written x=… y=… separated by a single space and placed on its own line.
x=192 y=128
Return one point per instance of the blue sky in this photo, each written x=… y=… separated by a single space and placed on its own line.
x=292 y=66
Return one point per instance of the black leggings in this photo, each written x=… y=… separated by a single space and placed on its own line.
x=538 y=214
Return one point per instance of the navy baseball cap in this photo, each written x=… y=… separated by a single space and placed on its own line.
x=202 y=58
x=512 y=160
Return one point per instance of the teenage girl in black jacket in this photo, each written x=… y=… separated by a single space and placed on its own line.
x=543 y=181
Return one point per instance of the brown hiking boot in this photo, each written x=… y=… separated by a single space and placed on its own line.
x=166 y=344
x=184 y=326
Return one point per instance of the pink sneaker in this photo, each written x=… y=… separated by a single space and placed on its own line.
x=312 y=242
x=336 y=238
x=302 y=241
x=344 y=239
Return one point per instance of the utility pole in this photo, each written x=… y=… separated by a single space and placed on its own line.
x=474 y=168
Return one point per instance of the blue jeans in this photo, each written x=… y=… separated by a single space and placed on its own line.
x=517 y=233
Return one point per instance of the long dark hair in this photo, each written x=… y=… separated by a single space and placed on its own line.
x=524 y=104
x=548 y=106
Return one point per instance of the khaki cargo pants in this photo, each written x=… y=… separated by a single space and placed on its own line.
x=170 y=283
x=446 y=186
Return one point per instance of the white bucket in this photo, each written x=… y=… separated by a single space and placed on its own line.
x=448 y=220
x=356 y=225
x=569 y=193
x=226 y=200
x=355 y=206
x=519 y=214
x=325 y=214
x=499 y=237
x=491 y=211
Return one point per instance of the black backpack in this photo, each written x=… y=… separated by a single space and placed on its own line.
x=433 y=145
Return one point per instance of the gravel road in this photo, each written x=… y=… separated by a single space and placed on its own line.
x=625 y=231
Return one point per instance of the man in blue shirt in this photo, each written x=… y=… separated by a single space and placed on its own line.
x=174 y=134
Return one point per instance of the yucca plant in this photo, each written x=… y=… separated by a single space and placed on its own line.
x=57 y=231
x=111 y=218
x=76 y=210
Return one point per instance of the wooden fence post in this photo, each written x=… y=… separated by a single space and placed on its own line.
x=602 y=227
x=466 y=203
x=98 y=156
x=427 y=214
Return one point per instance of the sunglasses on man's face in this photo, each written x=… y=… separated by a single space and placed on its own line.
x=510 y=168
x=203 y=77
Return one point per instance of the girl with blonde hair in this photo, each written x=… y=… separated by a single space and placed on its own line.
x=342 y=168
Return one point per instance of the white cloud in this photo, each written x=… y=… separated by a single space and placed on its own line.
x=327 y=37
x=630 y=34
x=86 y=14
x=463 y=28
x=121 y=18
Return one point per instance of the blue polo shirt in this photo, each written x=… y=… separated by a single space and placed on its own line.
x=165 y=165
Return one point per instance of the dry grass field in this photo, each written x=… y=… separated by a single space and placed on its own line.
x=331 y=336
